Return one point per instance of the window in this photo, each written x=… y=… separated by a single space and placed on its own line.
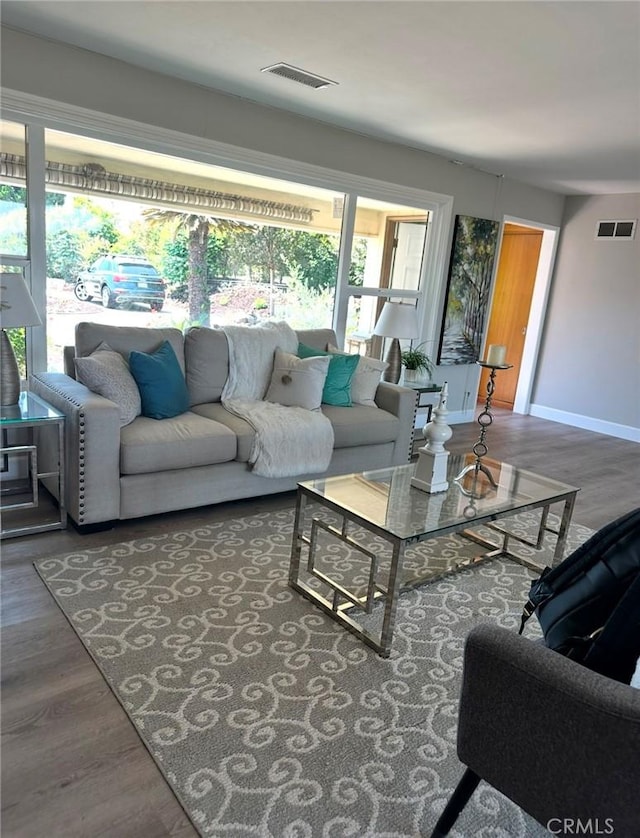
x=138 y=269
x=14 y=252
x=313 y=255
x=13 y=193
x=388 y=256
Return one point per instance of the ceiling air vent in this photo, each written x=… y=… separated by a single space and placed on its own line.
x=616 y=230
x=298 y=75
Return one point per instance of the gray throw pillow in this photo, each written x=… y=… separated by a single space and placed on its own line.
x=107 y=373
x=297 y=382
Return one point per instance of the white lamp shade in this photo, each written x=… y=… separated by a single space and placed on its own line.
x=16 y=306
x=397 y=320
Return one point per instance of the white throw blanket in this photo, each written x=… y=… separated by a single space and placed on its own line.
x=288 y=440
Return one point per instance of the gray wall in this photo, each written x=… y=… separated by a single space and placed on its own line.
x=85 y=79
x=575 y=357
x=590 y=360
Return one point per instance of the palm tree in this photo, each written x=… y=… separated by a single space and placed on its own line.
x=197 y=228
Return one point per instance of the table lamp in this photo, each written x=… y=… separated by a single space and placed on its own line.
x=397 y=320
x=16 y=310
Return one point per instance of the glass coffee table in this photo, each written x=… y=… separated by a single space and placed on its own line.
x=355 y=528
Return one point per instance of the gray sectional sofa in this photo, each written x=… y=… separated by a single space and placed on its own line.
x=200 y=457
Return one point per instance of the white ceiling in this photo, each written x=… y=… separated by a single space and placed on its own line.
x=544 y=92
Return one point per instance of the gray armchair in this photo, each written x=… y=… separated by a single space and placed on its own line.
x=556 y=738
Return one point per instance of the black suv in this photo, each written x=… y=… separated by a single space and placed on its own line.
x=117 y=279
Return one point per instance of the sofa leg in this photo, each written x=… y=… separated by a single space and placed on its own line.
x=458 y=800
x=87 y=529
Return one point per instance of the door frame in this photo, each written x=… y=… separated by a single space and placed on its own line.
x=388 y=262
x=538 y=309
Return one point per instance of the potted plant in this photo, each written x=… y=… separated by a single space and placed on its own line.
x=415 y=362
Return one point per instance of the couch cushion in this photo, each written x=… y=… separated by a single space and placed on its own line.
x=163 y=390
x=206 y=354
x=148 y=445
x=207 y=359
x=318 y=338
x=352 y=426
x=241 y=428
x=123 y=339
x=360 y=425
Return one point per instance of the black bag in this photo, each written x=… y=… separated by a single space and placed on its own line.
x=589 y=605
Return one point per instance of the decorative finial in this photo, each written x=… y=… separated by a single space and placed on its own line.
x=437 y=432
x=431 y=471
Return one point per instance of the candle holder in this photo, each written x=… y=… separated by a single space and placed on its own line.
x=480 y=449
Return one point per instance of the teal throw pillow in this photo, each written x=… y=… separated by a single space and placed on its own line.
x=337 y=385
x=163 y=390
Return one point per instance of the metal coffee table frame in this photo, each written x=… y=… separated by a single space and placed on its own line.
x=344 y=600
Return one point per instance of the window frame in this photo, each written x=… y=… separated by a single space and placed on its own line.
x=39 y=114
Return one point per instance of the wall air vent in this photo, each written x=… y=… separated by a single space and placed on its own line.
x=616 y=230
x=287 y=71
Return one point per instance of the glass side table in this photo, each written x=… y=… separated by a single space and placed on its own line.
x=427 y=396
x=32 y=439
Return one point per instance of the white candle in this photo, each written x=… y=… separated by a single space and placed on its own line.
x=496 y=355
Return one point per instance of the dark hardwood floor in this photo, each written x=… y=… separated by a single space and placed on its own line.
x=72 y=764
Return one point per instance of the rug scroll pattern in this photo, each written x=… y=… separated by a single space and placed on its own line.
x=268 y=719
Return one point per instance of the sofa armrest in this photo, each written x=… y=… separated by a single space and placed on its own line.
x=69 y=356
x=401 y=401
x=558 y=739
x=92 y=447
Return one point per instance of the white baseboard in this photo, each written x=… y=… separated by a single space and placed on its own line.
x=600 y=426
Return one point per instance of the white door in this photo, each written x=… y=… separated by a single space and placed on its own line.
x=408 y=252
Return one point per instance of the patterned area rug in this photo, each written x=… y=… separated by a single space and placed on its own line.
x=267 y=718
